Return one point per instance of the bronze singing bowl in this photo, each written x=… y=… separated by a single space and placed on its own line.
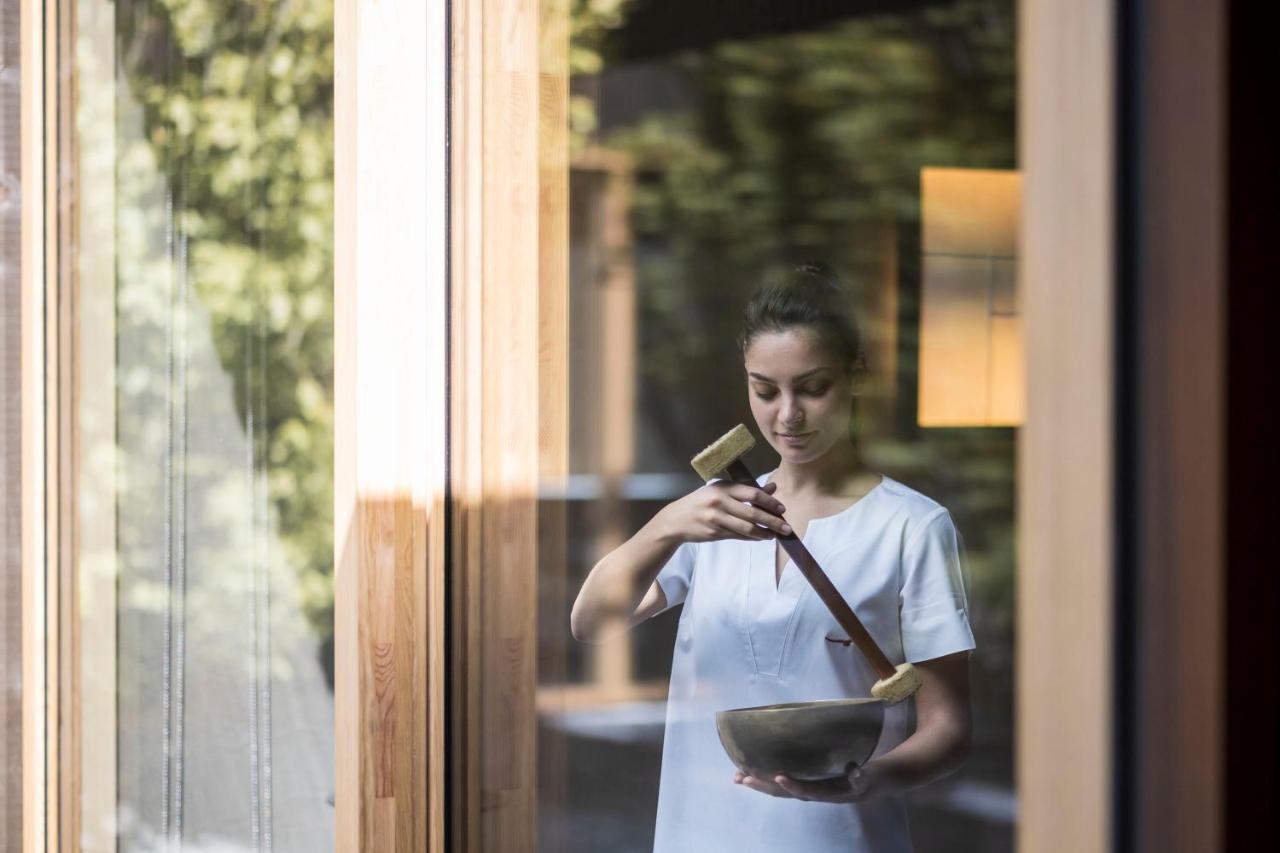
x=804 y=740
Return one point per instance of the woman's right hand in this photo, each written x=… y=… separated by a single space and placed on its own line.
x=719 y=510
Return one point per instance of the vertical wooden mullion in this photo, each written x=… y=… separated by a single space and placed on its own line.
x=389 y=350
x=509 y=452
x=1179 y=362
x=509 y=291
x=35 y=473
x=552 y=582
x=54 y=410
x=1065 y=453
x=465 y=219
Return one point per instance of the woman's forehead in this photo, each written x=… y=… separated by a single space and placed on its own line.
x=787 y=356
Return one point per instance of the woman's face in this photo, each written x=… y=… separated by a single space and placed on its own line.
x=800 y=393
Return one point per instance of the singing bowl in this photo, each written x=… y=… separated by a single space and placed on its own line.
x=805 y=740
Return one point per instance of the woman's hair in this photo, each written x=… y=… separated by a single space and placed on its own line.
x=810 y=295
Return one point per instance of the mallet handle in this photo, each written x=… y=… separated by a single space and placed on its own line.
x=822 y=585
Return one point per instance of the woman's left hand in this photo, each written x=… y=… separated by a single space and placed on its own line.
x=862 y=783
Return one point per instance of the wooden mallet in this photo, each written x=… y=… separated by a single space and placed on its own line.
x=724 y=459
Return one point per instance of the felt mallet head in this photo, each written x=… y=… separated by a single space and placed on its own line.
x=723 y=452
x=898 y=686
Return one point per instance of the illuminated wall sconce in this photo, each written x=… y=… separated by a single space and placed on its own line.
x=971 y=349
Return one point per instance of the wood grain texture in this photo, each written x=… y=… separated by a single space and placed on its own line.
x=552 y=594
x=390 y=333
x=34 y=474
x=509 y=403
x=466 y=214
x=1065 y=506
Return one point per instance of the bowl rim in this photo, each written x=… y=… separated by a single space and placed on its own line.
x=792 y=706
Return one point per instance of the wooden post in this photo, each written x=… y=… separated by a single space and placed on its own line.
x=390 y=333
x=1065 y=506
x=508 y=91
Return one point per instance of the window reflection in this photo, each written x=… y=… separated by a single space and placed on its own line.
x=701 y=160
x=203 y=187
x=11 y=455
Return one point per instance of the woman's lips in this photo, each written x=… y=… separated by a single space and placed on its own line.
x=794 y=440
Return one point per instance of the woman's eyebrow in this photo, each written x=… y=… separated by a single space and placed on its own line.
x=799 y=378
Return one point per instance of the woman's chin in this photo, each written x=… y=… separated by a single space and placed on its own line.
x=796 y=455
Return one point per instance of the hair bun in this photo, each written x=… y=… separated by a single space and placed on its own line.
x=810 y=294
x=817 y=268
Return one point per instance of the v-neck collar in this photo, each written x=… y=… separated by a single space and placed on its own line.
x=769 y=603
x=788 y=568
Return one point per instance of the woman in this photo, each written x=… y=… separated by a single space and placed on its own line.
x=752 y=632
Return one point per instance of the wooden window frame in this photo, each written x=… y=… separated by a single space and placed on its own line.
x=437 y=542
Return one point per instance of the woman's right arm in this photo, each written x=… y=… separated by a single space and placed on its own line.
x=622 y=588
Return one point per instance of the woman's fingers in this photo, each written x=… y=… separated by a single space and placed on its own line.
x=824 y=789
x=740 y=528
x=763 y=785
x=757 y=516
x=758 y=497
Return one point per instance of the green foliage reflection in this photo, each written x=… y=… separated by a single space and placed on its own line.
x=226 y=137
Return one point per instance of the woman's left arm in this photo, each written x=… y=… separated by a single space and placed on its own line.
x=938 y=747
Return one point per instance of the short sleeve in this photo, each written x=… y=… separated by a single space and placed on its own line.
x=677 y=574
x=933 y=608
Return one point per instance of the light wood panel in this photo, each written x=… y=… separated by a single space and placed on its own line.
x=1065 y=507
x=33 y=433
x=390 y=333
x=553 y=395
x=509 y=404
x=466 y=215
x=40 y=416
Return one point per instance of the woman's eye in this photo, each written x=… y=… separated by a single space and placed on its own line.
x=817 y=392
x=766 y=395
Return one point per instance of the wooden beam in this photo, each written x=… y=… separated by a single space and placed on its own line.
x=390 y=333
x=551 y=658
x=1065 y=471
x=38 y=482
x=509 y=320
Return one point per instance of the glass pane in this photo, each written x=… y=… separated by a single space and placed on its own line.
x=203 y=268
x=11 y=455
x=707 y=159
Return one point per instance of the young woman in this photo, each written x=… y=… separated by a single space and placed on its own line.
x=752 y=631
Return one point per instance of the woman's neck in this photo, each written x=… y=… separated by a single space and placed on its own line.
x=840 y=471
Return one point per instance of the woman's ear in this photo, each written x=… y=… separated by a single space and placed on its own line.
x=858 y=374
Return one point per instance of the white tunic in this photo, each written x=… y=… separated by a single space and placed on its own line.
x=742 y=641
